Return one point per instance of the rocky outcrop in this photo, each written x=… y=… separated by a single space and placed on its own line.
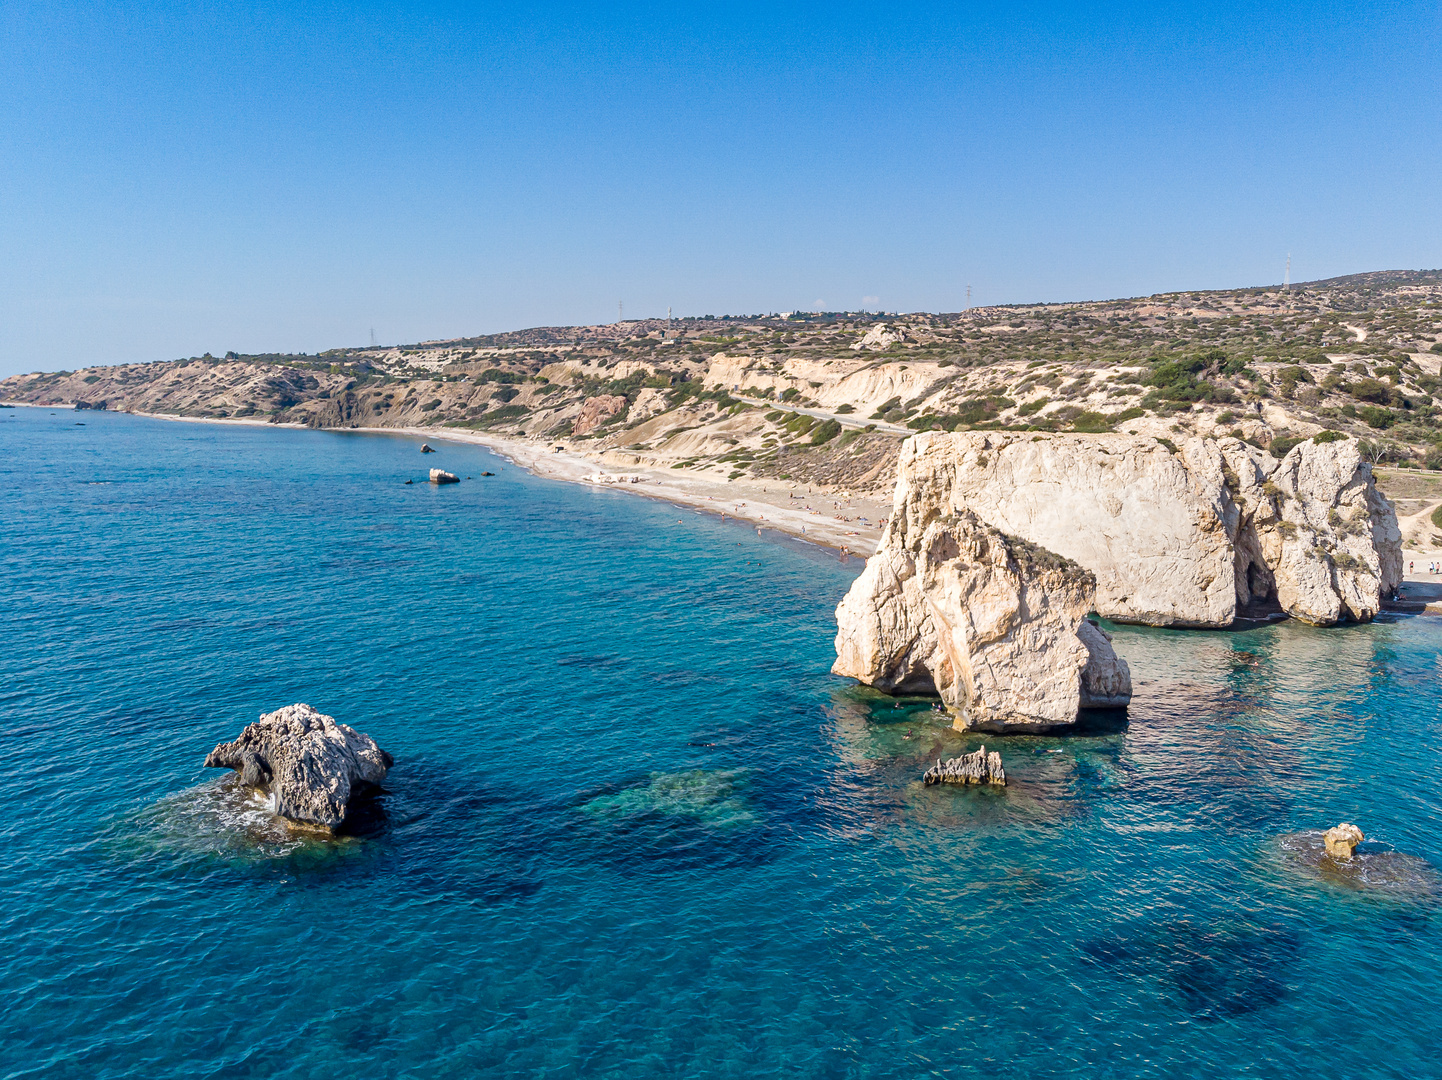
x=1341 y=839
x=596 y=411
x=311 y=766
x=993 y=624
x=978 y=767
x=440 y=476
x=343 y=409
x=879 y=337
x=1176 y=536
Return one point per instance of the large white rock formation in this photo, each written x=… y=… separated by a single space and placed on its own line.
x=1176 y=537
x=995 y=625
x=310 y=765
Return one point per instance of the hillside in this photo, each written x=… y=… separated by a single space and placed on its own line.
x=824 y=398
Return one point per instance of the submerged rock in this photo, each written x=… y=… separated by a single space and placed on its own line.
x=978 y=767
x=311 y=766
x=1176 y=536
x=995 y=625
x=1371 y=868
x=1341 y=839
x=440 y=476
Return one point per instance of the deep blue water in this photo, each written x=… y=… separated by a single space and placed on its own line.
x=634 y=827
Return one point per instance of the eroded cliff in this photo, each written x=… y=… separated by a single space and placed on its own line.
x=1175 y=536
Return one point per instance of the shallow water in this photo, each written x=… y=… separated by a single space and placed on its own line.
x=634 y=827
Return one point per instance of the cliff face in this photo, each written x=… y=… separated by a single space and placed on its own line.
x=995 y=625
x=1184 y=538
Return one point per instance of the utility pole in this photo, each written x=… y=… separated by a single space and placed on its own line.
x=1287 y=277
x=668 y=313
x=968 y=298
x=373 y=337
x=619 y=316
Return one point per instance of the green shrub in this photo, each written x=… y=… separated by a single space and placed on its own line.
x=1379 y=419
x=1279 y=448
x=1437 y=517
x=1033 y=406
x=1327 y=436
x=844 y=408
x=431 y=405
x=1128 y=414
x=1374 y=391
x=825 y=432
x=790 y=394
x=1092 y=423
x=497 y=375
x=1176 y=380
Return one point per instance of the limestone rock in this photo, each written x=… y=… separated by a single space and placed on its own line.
x=596 y=411
x=440 y=476
x=879 y=337
x=426 y=448
x=978 y=767
x=1341 y=839
x=1182 y=536
x=989 y=622
x=311 y=766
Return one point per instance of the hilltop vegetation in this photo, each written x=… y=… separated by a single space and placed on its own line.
x=825 y=397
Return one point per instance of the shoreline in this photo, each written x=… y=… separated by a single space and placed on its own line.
x=779 y=505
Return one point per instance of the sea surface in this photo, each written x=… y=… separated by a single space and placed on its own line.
x=635 y=828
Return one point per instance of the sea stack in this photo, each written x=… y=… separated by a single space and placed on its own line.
x=1341 y=839
x=993 y=624
x=440 y=476
x=311 y=767
x=1177 y=535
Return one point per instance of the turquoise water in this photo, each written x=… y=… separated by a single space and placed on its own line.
x=634 y=827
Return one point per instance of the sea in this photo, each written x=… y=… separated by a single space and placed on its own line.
x=635 y=828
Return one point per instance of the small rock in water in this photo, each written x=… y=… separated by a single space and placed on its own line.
x=1341 y=839
x=426 y=448
x=440 y=476
x=311 y=766
x=975 y=768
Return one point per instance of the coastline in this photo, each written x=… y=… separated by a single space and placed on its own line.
x=817 y=517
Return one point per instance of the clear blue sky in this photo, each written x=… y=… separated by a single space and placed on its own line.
x=182 y=178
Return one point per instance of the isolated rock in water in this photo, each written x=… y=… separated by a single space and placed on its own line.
x=426 y=448
x=440 y=476
x=1341 y=839
x=978 y=767
x=1184 y=538
x=311 y=766
x=596 y=411
x=994 y=625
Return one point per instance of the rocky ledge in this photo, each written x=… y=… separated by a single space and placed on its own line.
x=1186 y=535
x=311 y=766
x=993 y=624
